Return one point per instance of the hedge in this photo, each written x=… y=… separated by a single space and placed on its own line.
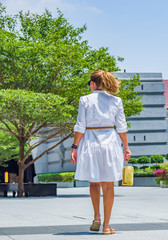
x=56 y=177
x=144 y=174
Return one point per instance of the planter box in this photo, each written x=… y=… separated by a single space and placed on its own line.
x=163 y=184
x=65 y=184
x=40 y=189
x=81 y=184
x=61 y=184
x=145 y=182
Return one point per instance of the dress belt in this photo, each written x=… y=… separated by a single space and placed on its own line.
x=98 y=127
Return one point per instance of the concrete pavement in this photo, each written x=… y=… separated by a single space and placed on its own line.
x=138 y=213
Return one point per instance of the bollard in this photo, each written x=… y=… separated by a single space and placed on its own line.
x=6 y=177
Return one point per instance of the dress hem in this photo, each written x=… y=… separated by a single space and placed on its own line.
x=107 y=180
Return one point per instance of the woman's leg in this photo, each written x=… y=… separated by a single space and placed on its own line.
x=108 y=199
x=95 y=196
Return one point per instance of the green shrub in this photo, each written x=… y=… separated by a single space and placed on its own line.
x=157 y=166
x=164 y=166
x=143 y=160
x=132 y=160
x=166 y=156
x=135 y=167
x=157 y=158
x=162 y=174
x=144 y=174
x=144 y=167
x=56 y=177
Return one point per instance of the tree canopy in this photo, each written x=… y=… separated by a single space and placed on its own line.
x=44 y=69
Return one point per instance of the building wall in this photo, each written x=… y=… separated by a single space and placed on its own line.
x=56 y=160
x=148 y=132
x=147 y=135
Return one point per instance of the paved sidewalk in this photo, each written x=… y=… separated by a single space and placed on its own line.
x=139 y=213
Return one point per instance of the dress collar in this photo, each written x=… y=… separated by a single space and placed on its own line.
x=99 y=91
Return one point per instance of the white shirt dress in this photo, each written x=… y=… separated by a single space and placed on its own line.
x=99 y=154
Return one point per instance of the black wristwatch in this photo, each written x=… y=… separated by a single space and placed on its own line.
x=74 y=146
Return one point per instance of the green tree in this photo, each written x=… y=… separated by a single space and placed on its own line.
x=9 y=148
x=44 y=69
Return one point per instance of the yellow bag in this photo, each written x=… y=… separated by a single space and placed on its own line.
x=128 y=175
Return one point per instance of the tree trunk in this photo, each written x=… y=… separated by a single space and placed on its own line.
x=21 y=168
x=20 y=183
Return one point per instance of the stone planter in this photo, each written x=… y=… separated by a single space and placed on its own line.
x=81 y=184
x=163 y=184
x=65 y=184
x=145 y=182
x=40 y=189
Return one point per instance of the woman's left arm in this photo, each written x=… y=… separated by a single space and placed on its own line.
x=79 y=129
x=121 y=127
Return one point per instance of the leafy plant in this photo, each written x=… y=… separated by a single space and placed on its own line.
x=157 y=166
x=144 y=174
x=157 y=158
x=9 y=146
x=166 y=156
x=162 y=174
x=143 y=160
x=135 y=167
x=133 y=160
x=144 y=167
x=57 y=177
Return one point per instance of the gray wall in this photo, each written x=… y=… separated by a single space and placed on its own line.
x=148 y=132
x=56 y=160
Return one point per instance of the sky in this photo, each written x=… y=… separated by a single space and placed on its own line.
x=136 y=30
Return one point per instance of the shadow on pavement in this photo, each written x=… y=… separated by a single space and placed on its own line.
x=73 y=196
x=80 y=195
x=80 y=229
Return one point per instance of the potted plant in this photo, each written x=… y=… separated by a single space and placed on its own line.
x=162 y=176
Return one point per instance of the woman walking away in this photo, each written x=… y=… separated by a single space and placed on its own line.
x=97 y=145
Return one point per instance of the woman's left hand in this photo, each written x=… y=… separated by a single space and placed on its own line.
x=73 y=156
x=127 y=155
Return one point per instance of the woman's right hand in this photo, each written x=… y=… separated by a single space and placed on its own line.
x=127 y=155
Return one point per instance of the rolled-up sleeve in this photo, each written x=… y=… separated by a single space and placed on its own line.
x=120 y=120
x=80 y=125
